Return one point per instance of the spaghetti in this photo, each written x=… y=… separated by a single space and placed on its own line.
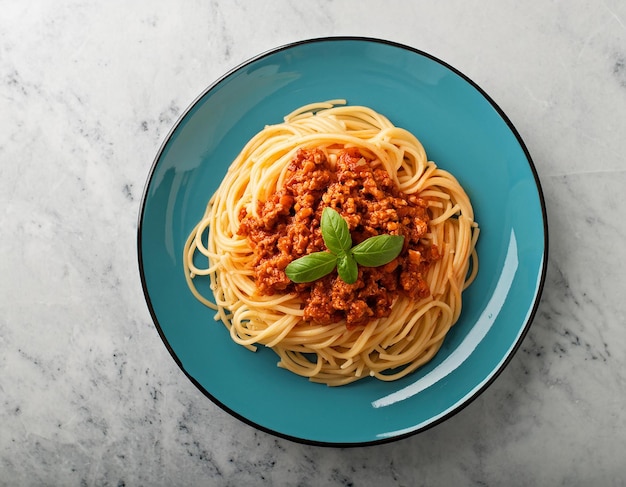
x=390 y=344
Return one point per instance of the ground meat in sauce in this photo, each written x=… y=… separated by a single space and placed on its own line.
x=288 y=227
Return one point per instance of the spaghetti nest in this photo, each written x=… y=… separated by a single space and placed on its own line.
x=402 y=321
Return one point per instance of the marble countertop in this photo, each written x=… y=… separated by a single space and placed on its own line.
x=89 y=395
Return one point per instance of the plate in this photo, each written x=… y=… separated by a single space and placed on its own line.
x=463 y=131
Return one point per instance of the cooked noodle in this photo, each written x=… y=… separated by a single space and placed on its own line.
x=386 y=348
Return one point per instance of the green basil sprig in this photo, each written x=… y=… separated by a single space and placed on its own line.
x=373 y=252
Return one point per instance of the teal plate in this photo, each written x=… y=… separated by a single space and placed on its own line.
x=463 y=131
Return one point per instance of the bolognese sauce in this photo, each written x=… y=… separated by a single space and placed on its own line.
x=287 y=226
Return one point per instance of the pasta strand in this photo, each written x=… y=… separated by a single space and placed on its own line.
x=386 y=348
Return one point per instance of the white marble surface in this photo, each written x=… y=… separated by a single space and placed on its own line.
x=88 y=393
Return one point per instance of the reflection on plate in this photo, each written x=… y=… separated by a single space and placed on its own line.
x=462 y=130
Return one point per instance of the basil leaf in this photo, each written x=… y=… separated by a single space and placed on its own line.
x=378 y=250
x=335 y=231
x=311 y=267
x=347 y=268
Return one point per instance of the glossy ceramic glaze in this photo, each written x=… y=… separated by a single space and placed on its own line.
x=462 y=130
